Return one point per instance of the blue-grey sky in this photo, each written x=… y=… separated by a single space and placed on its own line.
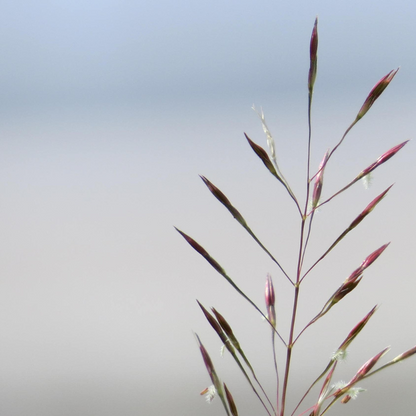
x=109 y=110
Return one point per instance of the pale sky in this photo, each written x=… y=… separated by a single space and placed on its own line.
x=109 y=112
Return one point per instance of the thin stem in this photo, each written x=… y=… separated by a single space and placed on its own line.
x=336 y=147
x=292 y=325
x=308 y=180
x=289 y=351
x=302 y=250
x=249 y=381
x=248 y=229
x=258 y=382
x=326 y=252
x=277 y=373
x=329 y=406
x=328 y=367
x=320 y=315
x=337 y=193
x=309 y=143
x=342 y=138
x=307 y=237
x=292 y=195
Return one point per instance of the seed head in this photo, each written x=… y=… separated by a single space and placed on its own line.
x=373 y=257
x=211 y=320
x=376 y=92
x=313 y=57
x=210 y=366
x=226 y=328
x=366 y=367
x=262 y=154
x=197 y=247
x=345 y=288
x=317 y=190
x=207 y=360
x=355 y=331
x=231 y=403
x=270 y=300
x=224 y=200
x=269 y=292
x=368 y=209
x=382 y=159
x=405 y=355
x=366 y=263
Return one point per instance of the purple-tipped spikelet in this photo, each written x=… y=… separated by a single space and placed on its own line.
x=262 y=154
x=226 y=328
x=197 y=247
x=270 y=300
x=405 y=355
x=224 y=200
x=211 y=320
x=313 y=52
x=211 y=370
x=269 y=292
x=317 y=190
x=324 y=392
x=366 y=367
x=355 y=331
x=230 y=400
x=382 y=159
x=368 y=209
x=207 y=361
x=345 y=288
x=217 y=328
x=369 y=260
x=216 y=192
x=361 y=373
x=352 y=281
x=373 y=257
x=376 y=92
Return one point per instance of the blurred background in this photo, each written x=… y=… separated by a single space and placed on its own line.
x=109 y=111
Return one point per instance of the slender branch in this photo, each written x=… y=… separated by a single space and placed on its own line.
x=336 y=147
x=293 y=320
x=198 y=248
x=289 y=351
x=307 y=237
x=240 y=219
x=328 y=367
x=277 y=373
x=312 y=321
x=302 y=244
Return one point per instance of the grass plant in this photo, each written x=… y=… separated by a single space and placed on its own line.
x=328 y=392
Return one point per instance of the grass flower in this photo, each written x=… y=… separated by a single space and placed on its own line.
x=209 y=393
x=376 y=92
x=270 y=300
x=283 y=345
x=319 y=179
x=313 y=53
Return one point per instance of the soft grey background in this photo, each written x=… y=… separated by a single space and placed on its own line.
x=109 y=111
